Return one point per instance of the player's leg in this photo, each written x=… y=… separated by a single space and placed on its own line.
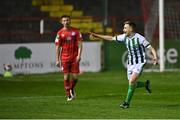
x=75 y=72
x=140 y=84
x=73 y=84
x=133 y=84
x=145 y=84
x=133 y=73
x=131 y=88
x=67 y=85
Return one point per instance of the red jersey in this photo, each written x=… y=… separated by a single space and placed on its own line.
x=68 y=40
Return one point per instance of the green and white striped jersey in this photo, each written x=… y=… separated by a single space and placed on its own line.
x=136 y=47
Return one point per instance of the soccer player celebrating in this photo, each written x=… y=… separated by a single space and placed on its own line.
x=68 y=54
x=135 y=44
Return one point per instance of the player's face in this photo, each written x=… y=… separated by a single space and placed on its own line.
x=66 y=22
x=127 y=29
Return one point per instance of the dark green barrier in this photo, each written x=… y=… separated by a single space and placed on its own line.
x=115 y=56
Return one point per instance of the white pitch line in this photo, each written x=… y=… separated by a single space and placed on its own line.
x=109 y=94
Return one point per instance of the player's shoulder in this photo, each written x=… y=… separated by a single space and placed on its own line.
x=119 y=37
x=60 y=31
x=75 y=29
x=138 y=35
x=122 y=36
x=141 y=37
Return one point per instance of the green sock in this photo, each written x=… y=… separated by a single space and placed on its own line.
x=140 y=84
x=131 y=90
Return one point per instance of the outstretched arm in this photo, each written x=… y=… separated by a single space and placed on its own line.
x=104 y=37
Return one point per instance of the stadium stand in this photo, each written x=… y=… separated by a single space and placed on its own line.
x=56 y=10
x=22 y=18
x=22 y=21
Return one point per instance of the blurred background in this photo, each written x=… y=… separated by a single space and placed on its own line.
x=37 y=21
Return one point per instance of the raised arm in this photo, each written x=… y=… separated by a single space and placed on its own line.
x=104 y=37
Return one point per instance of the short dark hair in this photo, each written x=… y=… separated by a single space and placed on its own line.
x=65 y=16
x=132 y=24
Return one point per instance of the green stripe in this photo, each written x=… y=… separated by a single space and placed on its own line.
x=135 y=51
x=126 y=43
x=129 y=47
x=140 y=51
x=125 y=40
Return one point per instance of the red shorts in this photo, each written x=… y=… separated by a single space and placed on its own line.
x=70 y=67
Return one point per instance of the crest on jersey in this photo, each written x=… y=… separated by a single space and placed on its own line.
x=73 y=33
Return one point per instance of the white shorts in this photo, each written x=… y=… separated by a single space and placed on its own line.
x=137 y=68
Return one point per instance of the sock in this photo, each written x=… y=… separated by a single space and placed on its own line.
x=140 y=84
x=131 y=90
x=73 y=83
x=67 y=87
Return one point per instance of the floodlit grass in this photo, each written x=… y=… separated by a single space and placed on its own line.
x=98 y=97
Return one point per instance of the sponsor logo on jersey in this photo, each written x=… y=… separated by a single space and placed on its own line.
x=68 y=39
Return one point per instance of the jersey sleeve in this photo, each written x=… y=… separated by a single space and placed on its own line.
x=119 y=38
x=79 y=36
x=57 y=40
x=146 y=43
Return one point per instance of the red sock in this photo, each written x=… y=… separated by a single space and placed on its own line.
x=67 y=87
x=73 y=83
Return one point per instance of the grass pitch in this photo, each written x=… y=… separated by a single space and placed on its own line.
x=98 y=97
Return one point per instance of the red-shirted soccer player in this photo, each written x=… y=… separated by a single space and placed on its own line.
x=68 y=51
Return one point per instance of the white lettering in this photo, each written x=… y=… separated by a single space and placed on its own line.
x=172 y=55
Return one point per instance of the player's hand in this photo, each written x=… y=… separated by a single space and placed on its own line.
x=92 y=36
x=57 y=63
x=78 y=59
x=155 y=61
